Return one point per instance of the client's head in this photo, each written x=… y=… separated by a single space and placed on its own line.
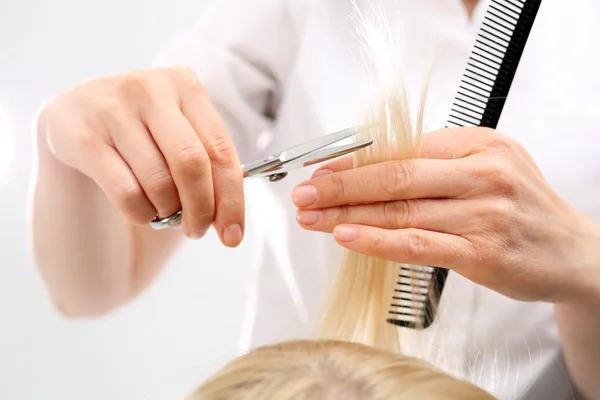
x=331 y=370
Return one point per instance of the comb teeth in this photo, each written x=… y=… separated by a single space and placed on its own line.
x=482 y=92
x=493 y=63
x=411 y=305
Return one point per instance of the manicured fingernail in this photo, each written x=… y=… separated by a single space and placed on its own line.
x=232 y=235
x=309 y=217
x=304 y=196
x=321 y=172
x=197 y=234
x=344 y=233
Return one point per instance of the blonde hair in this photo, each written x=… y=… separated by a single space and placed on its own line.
x=361 y=298
x=327 y=370
x=343 y=368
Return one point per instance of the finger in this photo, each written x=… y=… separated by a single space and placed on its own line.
x=120 y=186
x=340 y=164
x=410 y=246
x=436 y=215
x=436 y=145
x=189 y=164
x=453 y=143
x=387 y=181
x=446 y=143
x=227 y=174
x=138 y=149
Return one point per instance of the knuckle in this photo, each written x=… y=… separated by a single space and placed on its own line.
x=337 y=187
x=416 y=244
x=497 y=177
x=108 y=114
x=90 y=143
x=502 y=208
x=193 y=161
x=135 y=85
x=343 y=215
x=397 y=213
x=499 y=142
x=379 y=245
x=500 y=212
x=160 y=182
x=220 y=148
x=129 y=198
x=395 y=177
x=195 y=87
x=186 y=80
x=184 y=74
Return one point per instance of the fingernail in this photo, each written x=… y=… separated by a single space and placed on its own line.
x=197 y=234
x=344 y=233
x=321 y=172
x=309 y=217
x=304 y=196
x=232 y=235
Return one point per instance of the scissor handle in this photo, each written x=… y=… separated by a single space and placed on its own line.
x=162 y=223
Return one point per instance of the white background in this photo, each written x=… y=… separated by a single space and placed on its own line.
x=188 y=323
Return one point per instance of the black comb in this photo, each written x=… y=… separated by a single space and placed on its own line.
x=482 y=92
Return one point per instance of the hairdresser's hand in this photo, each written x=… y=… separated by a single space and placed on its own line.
x=154 y=143
x=475 y=203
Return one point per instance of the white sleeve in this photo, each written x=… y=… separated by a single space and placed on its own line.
x=242 y=52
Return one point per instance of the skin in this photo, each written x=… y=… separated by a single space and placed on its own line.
x=123 y=149
x=115 y=151
x=477 y=204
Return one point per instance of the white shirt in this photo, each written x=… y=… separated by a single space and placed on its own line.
x=281 y=71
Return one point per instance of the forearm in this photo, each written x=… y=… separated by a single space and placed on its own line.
x=579 y=327
x=82 y=248
x=580 y=333
x=91 y=259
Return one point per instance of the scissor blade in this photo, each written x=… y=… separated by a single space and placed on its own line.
x=261 y=166
x=332 y=152
x=313 y=145
x=317 y=157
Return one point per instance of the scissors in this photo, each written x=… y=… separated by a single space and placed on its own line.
x=277 y=166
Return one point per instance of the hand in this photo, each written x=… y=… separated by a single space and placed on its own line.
x=154 y=143
x=474 y=203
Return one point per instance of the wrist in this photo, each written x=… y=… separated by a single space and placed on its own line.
x=585 y=287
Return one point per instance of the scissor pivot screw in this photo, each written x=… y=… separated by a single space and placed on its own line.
x=277 y=177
